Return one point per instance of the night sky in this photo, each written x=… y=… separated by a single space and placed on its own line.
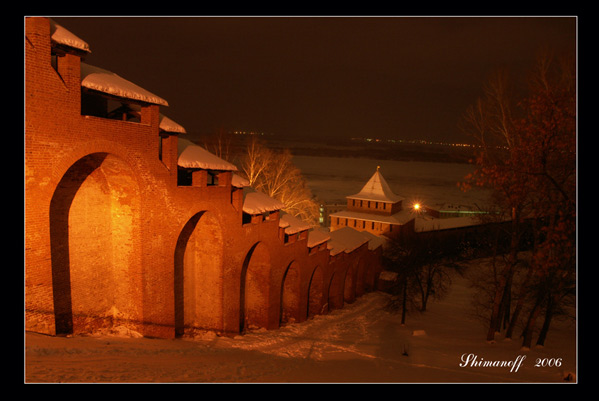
x=319 y=77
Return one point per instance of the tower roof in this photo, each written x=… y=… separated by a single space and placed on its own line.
x=377 y=189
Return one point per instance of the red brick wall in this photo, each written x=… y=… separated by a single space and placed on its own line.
x=111 y=239
x=373 y=207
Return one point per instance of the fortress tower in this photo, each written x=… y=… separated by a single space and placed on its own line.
x=375 y=209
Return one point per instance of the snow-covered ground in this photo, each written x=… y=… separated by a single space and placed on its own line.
x=363 y=342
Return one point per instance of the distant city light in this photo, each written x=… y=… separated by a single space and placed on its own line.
x=420 y=142
x=249 y=133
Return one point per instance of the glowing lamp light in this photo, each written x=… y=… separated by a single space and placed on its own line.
x=416 y=206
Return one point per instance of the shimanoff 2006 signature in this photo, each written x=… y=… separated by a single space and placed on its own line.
x=474 y=361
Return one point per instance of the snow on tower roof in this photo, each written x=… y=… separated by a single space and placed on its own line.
x=195 y=156
x=255 y=202
x=377 y=189
x=62 y=36
x=101 y=80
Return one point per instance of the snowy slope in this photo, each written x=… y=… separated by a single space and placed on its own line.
x=360 y=343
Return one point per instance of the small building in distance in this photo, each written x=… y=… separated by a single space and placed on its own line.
x=375 y=209
x=326 y=209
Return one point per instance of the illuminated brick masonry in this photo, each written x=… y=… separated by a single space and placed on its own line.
x=120 y=232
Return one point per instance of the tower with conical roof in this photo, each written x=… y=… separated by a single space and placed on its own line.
x=376 y=209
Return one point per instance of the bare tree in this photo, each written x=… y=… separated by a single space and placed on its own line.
x=274 y=173
x=255 y=159
x=491 y=121
x=220 y=143
x=423 y=271
x=528 y=158
x=399 y=258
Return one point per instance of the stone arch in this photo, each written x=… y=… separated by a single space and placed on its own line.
x=315 y=293
x=255 y=288
x=95 y=246
x=199 y=275
x=290 y=295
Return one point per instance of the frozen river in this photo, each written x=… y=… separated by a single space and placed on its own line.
x=331 y=179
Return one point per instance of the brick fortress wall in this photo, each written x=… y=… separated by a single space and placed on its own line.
x=111 y=239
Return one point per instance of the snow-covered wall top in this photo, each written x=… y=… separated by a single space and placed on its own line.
x=317 y=237
x=374 y=241
x=255 y=202
x=292 y=224
x=195 y=156
x=239 y=182
x=62 y=36
x=345 y=239
x=165 y=124
x=107 y=82
x=168 y=125
x=432 y=224
x=104 y=81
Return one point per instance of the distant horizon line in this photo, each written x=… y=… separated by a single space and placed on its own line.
x=371 y=139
